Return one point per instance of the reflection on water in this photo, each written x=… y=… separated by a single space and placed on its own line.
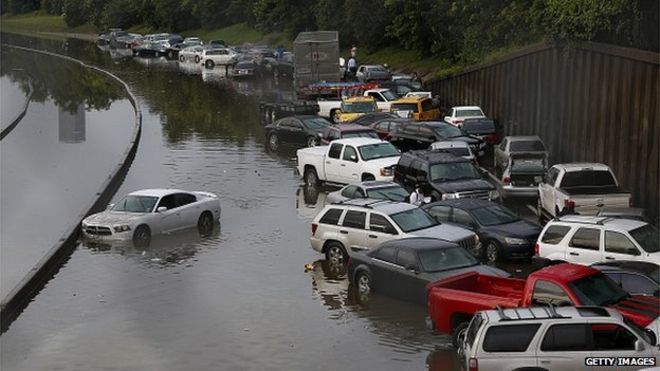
x=72 y=125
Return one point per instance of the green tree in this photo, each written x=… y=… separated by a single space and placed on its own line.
x=120 y=13
x=366 y=23
x=74 y=12
x=411 y=24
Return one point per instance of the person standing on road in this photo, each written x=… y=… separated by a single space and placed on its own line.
x=351 y=66
x=417 y=196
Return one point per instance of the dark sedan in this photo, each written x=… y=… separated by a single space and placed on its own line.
x=342 y=131
x=502 y=233
x=245 y=69
x=387 y=126
x=296 y=130
x=402 y=268
x=420 y=135
x=636 y=277
x=369 y=118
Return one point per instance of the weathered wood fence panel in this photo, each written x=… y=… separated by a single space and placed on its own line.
x=588 y=102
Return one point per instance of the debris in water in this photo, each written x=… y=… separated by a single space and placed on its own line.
x=309 y=267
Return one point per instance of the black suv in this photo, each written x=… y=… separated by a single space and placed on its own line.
x=442 y=176
x=420 y=135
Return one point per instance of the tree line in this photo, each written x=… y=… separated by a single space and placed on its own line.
x=458 y=30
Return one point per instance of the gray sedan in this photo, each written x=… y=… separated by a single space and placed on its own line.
x=376 y=189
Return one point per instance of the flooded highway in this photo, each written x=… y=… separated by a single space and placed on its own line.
x=252 y=295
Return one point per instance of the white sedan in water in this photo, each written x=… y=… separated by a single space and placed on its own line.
x=144 y=213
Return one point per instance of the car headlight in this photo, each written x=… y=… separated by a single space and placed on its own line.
x=514 y=241
x=386 y=171
x=493 y=195
x=450 y=196
x=476 y=239
x=121 y=228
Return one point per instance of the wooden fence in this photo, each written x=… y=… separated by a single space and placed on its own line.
x=588 y=102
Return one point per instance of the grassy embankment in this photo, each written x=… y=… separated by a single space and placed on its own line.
x=399 y=59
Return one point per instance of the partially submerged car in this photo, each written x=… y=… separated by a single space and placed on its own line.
x=374 y=189
x=148 y=212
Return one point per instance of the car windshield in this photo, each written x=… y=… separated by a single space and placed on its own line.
x=447 y=131
x=648 y=237
x=316 y=123
x=404 y=107
x=358 y=107
x=494 y=215
x=136 y=204
x=468 y=112
x=453 y=171
x=526 y=146
x=597 y=289
x=360 y=134
x=528 y=164
x=394 y=193
x=414 y=220
x=445 y=259
x=378 y=150
x=457 y=151
x=389 y=95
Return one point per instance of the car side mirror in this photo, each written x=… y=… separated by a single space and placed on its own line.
x=160 y=209
x=110 y=206
x=412 y=268
x=353 y=158
x=639 y=346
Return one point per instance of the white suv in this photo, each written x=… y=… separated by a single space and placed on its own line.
x=340 y=230
x=591 y=239
x=545 y=338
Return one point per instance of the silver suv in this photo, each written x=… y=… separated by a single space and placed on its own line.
x=545 y=338
x=341 y=229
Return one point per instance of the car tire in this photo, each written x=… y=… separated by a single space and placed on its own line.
x=142 y=236
x=197 y=59
x=335 y=253
x=312 y=141
x=205 y=223
x=209 y=64
x=492 y=251
x=457 y=333
x=364 y=283
x=182 y=58
x=368 y=177
x=273 y=142
x=310 y=177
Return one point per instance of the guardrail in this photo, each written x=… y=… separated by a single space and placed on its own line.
x=19 y=297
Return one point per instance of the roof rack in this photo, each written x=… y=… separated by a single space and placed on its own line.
x=368 y=204
x=550 y=311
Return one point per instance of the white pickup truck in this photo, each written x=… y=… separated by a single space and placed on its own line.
x=584 y=188
x=347 y=161
x=383 y=97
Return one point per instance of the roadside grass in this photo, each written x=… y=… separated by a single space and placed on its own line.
x=241 y=33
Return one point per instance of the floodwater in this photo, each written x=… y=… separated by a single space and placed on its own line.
x=241 y=298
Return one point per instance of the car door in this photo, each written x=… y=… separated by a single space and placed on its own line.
x=547 y=190
x=298 y=133
x=411 y=286
x=584 y=246
x=284 y=131
x=564 y=347
x=353 y=227
x=619 y=247
x=380 y=229
x=333 y=168
x=500 y=154
x=168 y=219
x=384 y=270
x=350 y=165
x=188 y=208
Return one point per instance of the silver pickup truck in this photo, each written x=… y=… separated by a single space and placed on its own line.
x=520 y=163
x=583 y=188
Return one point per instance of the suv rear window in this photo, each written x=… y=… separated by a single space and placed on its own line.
x=554 y=234
x=588 y=178
x=331 y=216
x=509 y=338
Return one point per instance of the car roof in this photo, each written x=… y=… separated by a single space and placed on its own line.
x=464 y=203
x=359 y=141
x=625 y=224
x=628 y=265
x=419 y=243
x=435 y=156
x=351 y=127
x=156 y=192
x=410 y=99
x=521 y=138
x=359 y=98
x=467 y=107
x=512 y=315
x=377 y=184
x=384 y=206
x=565 y=272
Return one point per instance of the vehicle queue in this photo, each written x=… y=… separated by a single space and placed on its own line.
x=381 y=145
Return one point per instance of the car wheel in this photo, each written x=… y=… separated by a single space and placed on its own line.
x=209 y=64
x=205 y=223
x=368 y=177
x=335 y=253
x=197 y=59
x=142 y=236
x=311 y=178
x=311 y=141
x=363 y=283
x=273 y=142
x=492 y=251
x=182 y=58
x=457 y=334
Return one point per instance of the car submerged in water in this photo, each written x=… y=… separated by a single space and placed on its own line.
x=148 y=212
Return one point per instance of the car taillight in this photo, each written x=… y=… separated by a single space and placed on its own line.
x=473 y=364
x=569 y=204
x=506 y=180
x=536 y=249
x=458 y=122
x=491 y=138
x=314 y=226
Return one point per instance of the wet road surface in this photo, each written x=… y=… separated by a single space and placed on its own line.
x=238 y=299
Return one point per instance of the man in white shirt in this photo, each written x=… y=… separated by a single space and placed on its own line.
x=417 y=196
